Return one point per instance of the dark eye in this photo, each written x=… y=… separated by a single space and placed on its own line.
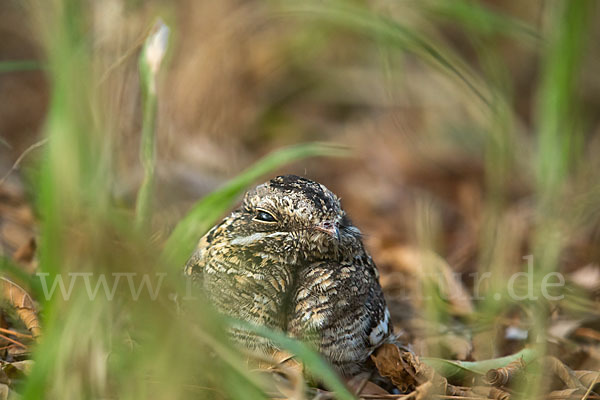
x=264 y=216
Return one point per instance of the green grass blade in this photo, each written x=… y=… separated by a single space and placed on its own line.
x=72 y=190
x=394 y=33
x=558 y=142
x=20 y=65
x=206 y=212
x=557 y=136
x=482 y=19
x=459 y=369
x=310 y=359
x=149 y=65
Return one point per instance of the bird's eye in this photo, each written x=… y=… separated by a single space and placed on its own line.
x=264 y=216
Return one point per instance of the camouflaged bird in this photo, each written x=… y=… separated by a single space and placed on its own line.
x=290 y=259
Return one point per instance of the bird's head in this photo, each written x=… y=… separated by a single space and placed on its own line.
x=295 y=219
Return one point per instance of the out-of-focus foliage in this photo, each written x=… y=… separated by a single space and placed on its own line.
x=472 y=130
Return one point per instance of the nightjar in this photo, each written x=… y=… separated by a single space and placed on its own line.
x=290 y=259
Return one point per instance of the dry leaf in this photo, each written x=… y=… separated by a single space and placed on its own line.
x=563 y=394
x=389 y=363
x=458 y=391
x=500 y=377
x=18 y=352
x=23 y=303
x=4 y=391
x=361 y=385
x=490 y=392
x=24 y=366
x=587 y=277
x=588 y=378
x=557 y=368
x=16 y=371
x=498 y=394
x=406 y=371
x=371 y=389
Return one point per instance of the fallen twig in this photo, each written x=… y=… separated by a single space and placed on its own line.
x=21 y=157
x=13 y=341
x=17 y=334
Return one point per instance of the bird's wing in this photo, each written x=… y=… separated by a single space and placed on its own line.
x=339 y=307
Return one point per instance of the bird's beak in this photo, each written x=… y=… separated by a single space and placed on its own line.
x=330 y=228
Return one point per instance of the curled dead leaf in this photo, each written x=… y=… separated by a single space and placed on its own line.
x=388 y=361
x=498 y=394
x=490 y=392
x=23 y=303
x=406 y=371
x=504 y=376
x=458 y=391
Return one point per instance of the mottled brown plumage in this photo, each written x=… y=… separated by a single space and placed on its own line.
x=290 y=259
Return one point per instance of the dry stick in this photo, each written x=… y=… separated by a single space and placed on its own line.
x=17 y=334
x=13 y=341
x=22 y=156
x=589 y=390
x=128 y=53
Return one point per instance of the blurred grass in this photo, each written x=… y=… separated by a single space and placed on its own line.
x=559 y=135
x=20 y=65
x=103 y=348
x=315 y=364
x=149 y=65
x=100 y=348
x=559 y=143
x=393 y=33
x=473 y=15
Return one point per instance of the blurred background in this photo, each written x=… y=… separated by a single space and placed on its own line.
x=473 y=130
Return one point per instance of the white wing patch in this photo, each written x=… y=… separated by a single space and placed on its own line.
x=379 y=332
